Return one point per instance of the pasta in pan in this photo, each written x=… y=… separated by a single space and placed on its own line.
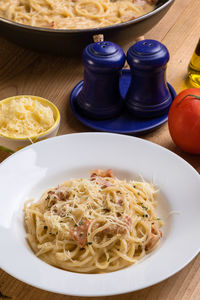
x=100 y=224
x=73 y=14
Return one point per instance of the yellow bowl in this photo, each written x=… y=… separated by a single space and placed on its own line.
x=12 y=144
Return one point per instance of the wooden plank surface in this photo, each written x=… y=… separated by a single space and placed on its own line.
x=26 y=72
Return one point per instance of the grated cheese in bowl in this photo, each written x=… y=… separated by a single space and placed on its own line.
x=27 y=118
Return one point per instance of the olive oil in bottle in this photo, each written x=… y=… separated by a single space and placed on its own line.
x=194 y=67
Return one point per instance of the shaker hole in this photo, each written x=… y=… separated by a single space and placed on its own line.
x=106 y=44
x=103 y=46
x=144 y=43
x=150 y=45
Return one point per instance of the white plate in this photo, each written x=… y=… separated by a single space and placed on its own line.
x=29 y=172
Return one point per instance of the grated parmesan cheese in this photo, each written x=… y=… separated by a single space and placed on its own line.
x=24 y=117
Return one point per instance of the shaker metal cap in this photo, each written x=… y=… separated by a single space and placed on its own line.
x=147 y=54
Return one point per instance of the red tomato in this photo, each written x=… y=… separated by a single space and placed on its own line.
x=184 y=120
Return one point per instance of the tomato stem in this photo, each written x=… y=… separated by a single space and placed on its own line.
x=189 y=95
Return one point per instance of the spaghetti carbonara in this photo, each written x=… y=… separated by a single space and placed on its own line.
x=99 y=224
x=73 y=14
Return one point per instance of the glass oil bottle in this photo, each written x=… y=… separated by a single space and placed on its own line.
x=194 y=67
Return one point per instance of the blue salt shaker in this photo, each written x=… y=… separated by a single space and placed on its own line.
x=100 y=95
x=148 y=95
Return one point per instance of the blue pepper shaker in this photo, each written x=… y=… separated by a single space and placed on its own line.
x=100 y=95
x=148 y=95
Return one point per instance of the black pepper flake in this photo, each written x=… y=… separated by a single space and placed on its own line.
x=45 y=227
x=82 y=249
x=89 y=243
x=145 y=216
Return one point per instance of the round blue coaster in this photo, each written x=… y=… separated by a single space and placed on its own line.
x=125 y=122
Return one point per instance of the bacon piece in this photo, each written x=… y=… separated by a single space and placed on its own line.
x=115 y=228
x=59 y=210
x=103 y=182
x=79 y=233
x=101 y=173
x=155 y=237
x=128 y=17
x=62 y=194
x=152 y=2
x=57 y=194
x=51 y=24
x=120 y=202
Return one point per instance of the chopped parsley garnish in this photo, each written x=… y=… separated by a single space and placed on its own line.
x=80 y=223
x=158 y=219
x=146 y=208
x=75 y=225
x=89 y=243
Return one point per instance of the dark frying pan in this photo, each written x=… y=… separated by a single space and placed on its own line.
x=68 y=42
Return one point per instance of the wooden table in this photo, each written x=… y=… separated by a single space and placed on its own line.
x=26 y=72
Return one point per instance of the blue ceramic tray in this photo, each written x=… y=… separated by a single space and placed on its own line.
x=125 y=122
